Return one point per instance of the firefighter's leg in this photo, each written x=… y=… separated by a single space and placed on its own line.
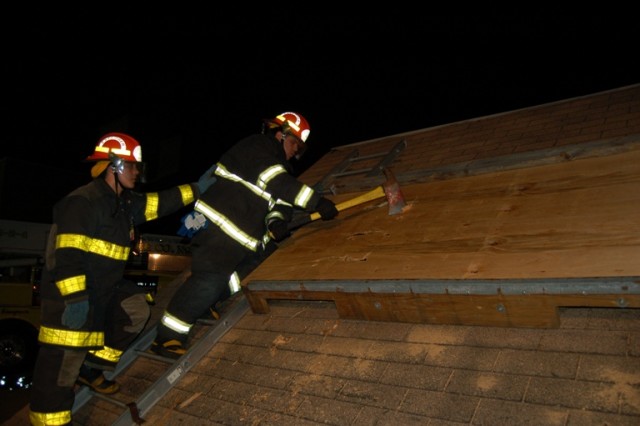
x=54 y=377
x=193 y=298
x=128 y=315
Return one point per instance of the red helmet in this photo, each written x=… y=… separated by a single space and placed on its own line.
x=120 y=144
x=292 y=123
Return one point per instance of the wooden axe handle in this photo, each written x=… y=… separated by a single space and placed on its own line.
x=360 y=199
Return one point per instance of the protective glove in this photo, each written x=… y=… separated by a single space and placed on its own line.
x=207 y=179
x=326 y=208
x=75 y=314
x=278 y=230
x=192 y=223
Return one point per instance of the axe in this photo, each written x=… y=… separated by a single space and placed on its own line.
x=390 y=188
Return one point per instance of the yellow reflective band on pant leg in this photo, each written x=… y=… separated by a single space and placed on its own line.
x=108 y=354
x=50 y=419
x=70 y=338
x=175 y=324
x=234 y=283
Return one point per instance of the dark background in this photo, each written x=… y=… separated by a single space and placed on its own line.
x=187 y=87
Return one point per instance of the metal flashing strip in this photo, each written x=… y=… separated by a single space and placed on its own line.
x=550 y=286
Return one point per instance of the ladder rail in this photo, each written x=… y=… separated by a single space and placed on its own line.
x=343 y=168
x=184 y=364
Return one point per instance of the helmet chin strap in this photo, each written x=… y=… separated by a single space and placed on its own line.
x=117 y=166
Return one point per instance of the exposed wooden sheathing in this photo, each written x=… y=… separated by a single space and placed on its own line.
x=544 y=209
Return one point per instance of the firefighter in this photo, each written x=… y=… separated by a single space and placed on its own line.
x=253 y=201
x=90 y=313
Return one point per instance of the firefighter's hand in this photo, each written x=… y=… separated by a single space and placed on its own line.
x=278 y=230
x=75 y=314
x=326 y=208
x=207 y=179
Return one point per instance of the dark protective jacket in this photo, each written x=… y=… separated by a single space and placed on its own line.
x=87 y=251
x=254 y=186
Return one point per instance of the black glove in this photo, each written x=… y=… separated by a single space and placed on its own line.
x=326 y=208
x=75 y=314
x=278 y=230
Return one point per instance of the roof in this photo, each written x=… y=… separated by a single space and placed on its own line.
x=548 y=193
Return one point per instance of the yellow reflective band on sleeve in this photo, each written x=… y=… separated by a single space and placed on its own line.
x=50 y=419
x=234 y=283
x=227 y=226
x=187 y=194
x=151 y=210
x=72 y=285
x=70 y=338
x=99 y=247
x=108 y=354
x=175 y=324
x=303 y=197
x=271 y=172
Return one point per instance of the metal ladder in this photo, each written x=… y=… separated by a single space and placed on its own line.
x=134 y=411
x=344 y=168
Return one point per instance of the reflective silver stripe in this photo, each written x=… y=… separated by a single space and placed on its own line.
x=175 y=324
x=227 y=226
x=234 y=283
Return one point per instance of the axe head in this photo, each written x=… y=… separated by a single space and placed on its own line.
x=392 y=191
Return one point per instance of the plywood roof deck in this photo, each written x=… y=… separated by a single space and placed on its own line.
x=484 y=239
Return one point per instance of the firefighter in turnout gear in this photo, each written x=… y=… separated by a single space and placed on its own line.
x=90 y=313
x=253 y=201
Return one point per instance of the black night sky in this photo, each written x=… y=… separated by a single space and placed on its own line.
x=188 y=87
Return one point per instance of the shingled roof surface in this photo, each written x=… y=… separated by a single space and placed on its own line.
x=303 y=363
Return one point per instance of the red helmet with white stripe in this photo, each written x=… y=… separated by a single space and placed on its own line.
x=120 y=144
x=292 y=123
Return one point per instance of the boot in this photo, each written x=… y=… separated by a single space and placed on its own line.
x=95 y=379
x=170 y=349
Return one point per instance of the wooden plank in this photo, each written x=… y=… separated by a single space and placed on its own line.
x=576 y=219
x=530 y=311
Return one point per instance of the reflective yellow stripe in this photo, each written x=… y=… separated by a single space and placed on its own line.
x=72 y=285
x=187 y=194
x=227 y=226
x=50 y=419
x=273 y=215
x=283 y=203
x=303 y=197
x=108 y=354
x=71 y=338
x=99 y=247
x=271 y=172
x=260 y=192
x=105 y=149
x=175 y=324
x=151 y=210
x=234 y=283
